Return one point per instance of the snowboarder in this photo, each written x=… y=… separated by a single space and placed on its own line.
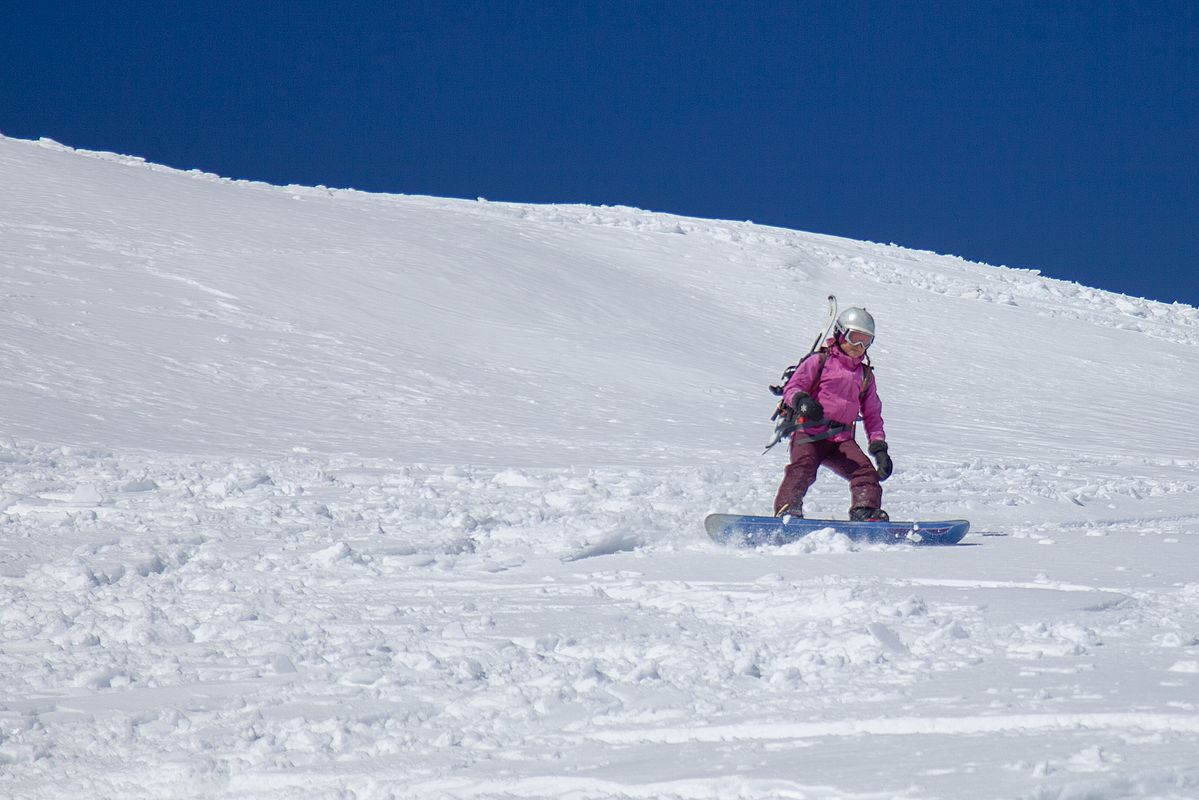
x=828 y=392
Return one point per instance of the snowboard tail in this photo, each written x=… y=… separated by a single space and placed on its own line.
x=740 y=530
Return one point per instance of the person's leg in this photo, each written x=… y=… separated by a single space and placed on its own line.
x=798 y=477
x=848 y=461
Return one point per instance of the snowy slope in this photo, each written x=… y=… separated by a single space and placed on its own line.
x=316 y=493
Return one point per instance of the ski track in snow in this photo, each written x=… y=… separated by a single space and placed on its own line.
x=296 y=502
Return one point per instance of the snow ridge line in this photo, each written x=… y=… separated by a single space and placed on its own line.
x=682 y=789
x=905 y=726
x=1051 y=586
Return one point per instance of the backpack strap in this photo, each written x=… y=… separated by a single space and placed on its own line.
x=819 y=371
x=867 y=374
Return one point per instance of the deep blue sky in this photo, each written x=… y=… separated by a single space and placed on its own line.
x=1057 y=136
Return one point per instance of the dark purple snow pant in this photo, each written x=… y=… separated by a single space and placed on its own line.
x=844 y=458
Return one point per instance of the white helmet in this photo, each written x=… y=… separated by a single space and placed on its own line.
x=855 y=319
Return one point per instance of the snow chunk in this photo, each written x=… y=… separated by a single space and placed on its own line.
x=454 y=630
x=87 y=495
x=606 y=545
x=102 y=678
x=514 y=478
x=888 y=638
x=333 y=554
x=282 y=665
x=825 y=540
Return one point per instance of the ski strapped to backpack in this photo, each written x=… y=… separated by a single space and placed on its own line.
x=784 y=415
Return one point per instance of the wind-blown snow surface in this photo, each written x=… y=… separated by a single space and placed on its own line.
x=311 y=493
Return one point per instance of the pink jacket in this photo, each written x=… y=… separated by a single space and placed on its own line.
x=840 y=392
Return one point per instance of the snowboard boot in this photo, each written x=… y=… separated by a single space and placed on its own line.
x=794 y=510
x=868 y=514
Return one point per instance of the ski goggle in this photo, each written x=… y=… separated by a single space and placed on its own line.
x=859 y=337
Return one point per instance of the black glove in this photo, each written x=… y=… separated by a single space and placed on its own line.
x=878 y=449
x=807 y=407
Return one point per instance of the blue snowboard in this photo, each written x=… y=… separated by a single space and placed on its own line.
x=741 y=530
